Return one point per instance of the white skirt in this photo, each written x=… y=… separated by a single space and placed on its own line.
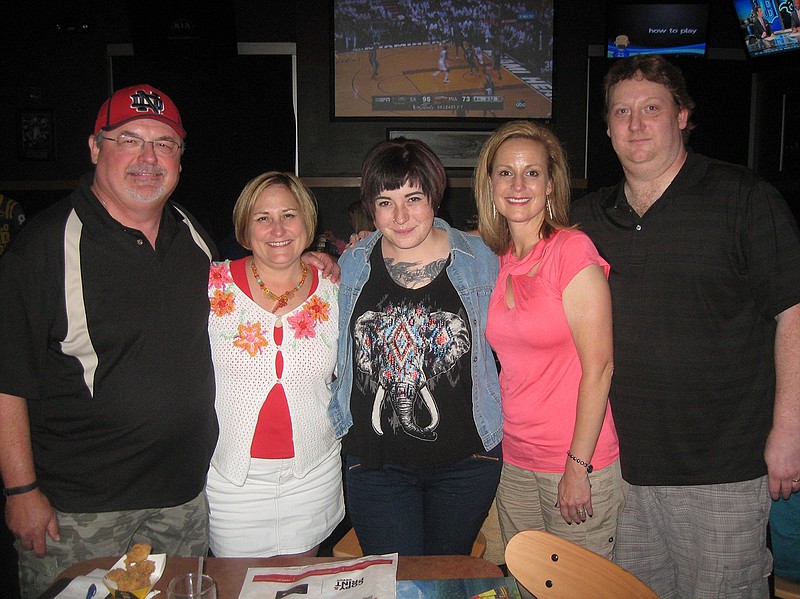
x=274 y=513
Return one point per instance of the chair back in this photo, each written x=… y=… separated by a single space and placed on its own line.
x=553 y=568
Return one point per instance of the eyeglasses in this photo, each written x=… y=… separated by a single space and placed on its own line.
x=134 y=144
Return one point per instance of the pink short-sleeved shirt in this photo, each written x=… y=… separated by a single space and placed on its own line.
x=541 y=371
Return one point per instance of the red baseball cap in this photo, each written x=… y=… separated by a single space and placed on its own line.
x=138 y=102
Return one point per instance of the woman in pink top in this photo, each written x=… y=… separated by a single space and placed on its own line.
x=550 y=326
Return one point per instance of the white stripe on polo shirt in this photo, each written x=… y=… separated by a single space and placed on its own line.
x=77 y=341
x=198 y=239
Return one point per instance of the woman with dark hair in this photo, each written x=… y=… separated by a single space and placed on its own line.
x=416 y=400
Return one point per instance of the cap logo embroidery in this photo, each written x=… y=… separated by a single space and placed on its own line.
x=141 y=101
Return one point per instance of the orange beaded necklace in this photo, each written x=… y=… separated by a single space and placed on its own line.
x=283 y=298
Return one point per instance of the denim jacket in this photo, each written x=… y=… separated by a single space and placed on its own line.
x=473 y=272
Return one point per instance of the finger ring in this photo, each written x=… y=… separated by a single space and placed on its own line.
x=581 y=511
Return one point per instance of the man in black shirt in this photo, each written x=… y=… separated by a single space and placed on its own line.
x=705 y=283
x=107 y=416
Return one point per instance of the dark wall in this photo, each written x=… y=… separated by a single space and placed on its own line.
x=65 y=70
x=44 y=68
x=776 y=147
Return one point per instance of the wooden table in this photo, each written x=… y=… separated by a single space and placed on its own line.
x=229 y=572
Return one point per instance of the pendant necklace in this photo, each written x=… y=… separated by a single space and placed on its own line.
x=284 y=298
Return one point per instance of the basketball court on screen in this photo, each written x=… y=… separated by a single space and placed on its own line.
x=409 y=70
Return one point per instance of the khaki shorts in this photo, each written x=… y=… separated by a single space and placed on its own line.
x=526 y=501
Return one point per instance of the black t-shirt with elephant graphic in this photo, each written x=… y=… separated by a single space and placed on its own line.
x=412 y=389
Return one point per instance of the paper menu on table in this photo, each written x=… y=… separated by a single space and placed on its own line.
x=372 y=577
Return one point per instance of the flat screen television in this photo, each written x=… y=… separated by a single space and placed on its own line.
x=772 y=37
x=442 y=59
x=678 y=29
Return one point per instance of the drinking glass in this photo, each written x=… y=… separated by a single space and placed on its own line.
x=187 y=586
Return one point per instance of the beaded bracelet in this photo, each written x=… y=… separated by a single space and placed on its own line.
x=20 y=490
x=588 y=467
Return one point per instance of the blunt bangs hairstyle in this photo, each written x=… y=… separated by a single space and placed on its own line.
x=657 y=69
x=492 y=226
x=391 y=164
x=243 y=209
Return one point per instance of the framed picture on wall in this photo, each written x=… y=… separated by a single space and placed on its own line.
x=466 y=59
x=456 y=148
x=36 y=137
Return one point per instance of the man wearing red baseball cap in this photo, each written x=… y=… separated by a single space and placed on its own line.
x=107 y=420
x=138 y=102
x=107 y=392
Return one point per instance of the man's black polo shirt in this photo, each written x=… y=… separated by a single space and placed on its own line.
x=107 y=340
x=696 y=284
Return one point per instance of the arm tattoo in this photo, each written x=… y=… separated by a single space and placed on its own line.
x=412 y=275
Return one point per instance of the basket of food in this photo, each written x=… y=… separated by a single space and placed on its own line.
x=135 y=573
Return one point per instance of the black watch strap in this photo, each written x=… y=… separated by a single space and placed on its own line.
x=20 y=490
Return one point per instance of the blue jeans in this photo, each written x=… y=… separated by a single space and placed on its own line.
x=422 y=511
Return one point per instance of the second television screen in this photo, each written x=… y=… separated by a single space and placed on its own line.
x=645 y=28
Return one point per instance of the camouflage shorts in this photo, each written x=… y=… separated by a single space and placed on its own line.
x=177 y=531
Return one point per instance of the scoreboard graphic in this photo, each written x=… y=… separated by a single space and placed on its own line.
x=457 y=102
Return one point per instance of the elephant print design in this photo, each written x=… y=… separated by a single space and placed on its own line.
x=402 y=348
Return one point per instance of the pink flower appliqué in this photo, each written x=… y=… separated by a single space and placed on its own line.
x=303 y=325
x=250 y=338
x=219 y=275
x=222 y=303
x=319 y=309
